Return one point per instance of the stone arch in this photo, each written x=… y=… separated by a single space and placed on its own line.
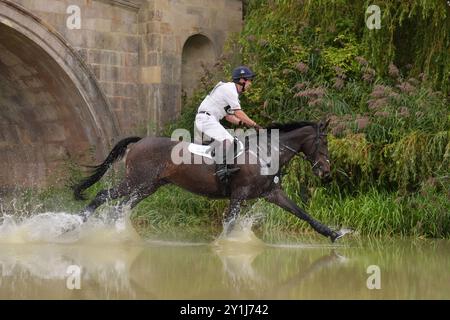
x=51 y=107
x=198 y=53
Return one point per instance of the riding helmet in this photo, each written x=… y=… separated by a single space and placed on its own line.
x=242 y=72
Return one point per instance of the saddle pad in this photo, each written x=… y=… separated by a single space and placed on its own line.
x=201 y=150
x=205 y=151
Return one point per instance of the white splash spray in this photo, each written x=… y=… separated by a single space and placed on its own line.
x=63 y=227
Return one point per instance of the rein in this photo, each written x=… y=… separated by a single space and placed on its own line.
x=316 y=149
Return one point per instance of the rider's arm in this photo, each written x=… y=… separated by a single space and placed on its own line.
x=233 y=119
x=232 y=98
x=244 y=118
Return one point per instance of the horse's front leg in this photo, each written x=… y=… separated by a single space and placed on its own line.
x=232 y=215
x=279 y=198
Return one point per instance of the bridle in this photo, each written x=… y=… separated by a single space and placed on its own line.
x=313 y=155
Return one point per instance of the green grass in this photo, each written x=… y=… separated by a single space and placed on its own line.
x=172 y=210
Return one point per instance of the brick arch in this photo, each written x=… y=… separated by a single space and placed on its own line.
x=198 y=53
x=51 y=107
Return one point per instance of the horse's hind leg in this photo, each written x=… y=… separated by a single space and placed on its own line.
x=142 y=192
x=134 y=197
x=104 y=195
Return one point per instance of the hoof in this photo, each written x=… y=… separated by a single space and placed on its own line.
x=85 y=215
x=336 y=235
x=66 y=230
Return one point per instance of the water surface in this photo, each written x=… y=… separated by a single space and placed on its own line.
x=115 y=263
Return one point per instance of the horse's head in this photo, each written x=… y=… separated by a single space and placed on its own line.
x=316 y=150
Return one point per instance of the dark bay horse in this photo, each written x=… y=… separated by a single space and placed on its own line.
x=149 y=166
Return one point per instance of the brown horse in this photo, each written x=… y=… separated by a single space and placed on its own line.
x=149 y=166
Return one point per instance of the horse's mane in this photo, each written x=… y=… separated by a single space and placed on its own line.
x=285 y=127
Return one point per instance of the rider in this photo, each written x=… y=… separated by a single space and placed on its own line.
x=223 y=101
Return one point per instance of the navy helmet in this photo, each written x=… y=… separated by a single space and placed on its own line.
x=242 y=72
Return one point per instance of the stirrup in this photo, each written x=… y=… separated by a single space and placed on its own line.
x=226 y=172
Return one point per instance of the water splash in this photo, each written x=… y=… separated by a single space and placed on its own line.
x=345 y=230
x=63 y=227
x=240 y=231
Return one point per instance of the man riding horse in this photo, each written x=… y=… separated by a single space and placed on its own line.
x=149 y=162
x=223 y=101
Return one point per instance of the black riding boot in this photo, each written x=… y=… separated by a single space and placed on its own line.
x=225 y=170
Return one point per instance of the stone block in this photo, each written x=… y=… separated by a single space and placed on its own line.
x=129 y=59
x=8 y=58
x=9 y=134
x=115 y=102
x=42 y=98
x=111 y=58
x=169 y=44
x=150 y=74
x=97 y=24
x=80 y=38
x=28 y=136
x=127 y=43
x=129 y=104
x=129 y=74
x=149 y=27
x=171 y=102
x=118 y=25
x=108 y=88
x=93 y=56
x=166 y=28
x=96 y=70
x=48 y=6
x=171 y=68
x=55 y=151
x=53 y=132
x=120 y=89
x=129 y=90
x=153 y=42
x=153 y=59
x=45 y=113
x=22 y=70
x=103 y=40
x=109 y=73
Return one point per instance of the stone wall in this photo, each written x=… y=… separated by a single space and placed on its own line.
x=166 y=26
x=65 y=92
x=108 y=42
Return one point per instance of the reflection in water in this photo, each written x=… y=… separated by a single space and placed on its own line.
x=40 y=271
x=237 y=262
x=326 y=261
x=36 y=252
x=116 y=265
x=237 y=250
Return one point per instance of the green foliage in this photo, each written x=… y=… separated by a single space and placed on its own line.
x=389 y=131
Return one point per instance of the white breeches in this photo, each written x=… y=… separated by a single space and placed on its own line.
x=209 y=126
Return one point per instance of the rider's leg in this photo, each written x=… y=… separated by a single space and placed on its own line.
x=223 y=144
x=225 y=160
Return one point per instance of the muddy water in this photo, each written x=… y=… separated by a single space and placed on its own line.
x=103 y=260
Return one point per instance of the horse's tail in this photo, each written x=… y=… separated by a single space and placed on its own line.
x=116 y=153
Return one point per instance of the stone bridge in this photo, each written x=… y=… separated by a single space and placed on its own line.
x=77 y=75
